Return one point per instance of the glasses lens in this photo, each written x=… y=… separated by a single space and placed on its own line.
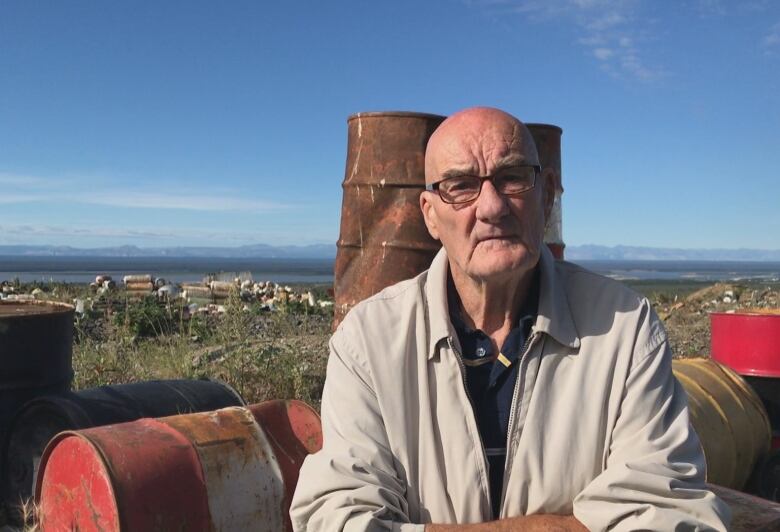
x=516 y=180
x=459 y=189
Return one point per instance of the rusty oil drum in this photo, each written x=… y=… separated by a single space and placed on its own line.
x=383 y=238
x=230 y=469
x=729 y=418
x=40 y=419
x=547 y=138
x=36 y=347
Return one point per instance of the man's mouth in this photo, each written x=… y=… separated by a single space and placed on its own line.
x=497 y=237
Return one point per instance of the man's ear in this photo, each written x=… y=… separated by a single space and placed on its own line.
x=549 y=182
x=429 y=214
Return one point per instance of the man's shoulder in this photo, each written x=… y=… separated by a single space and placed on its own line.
x=384 y=312
x=605 y=308
x=580 y=282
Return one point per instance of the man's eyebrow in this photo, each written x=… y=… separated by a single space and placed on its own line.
x=510 y=161
x=458 y=172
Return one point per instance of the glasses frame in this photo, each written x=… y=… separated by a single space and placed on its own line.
x=434 y=187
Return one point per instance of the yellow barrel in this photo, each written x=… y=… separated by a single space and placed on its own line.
x=729 y=418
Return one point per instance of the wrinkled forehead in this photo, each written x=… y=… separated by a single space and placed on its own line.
x=478 y=147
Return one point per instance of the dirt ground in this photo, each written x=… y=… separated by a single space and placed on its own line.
x=686 y=316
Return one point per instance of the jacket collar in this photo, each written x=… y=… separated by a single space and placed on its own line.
x=554 y=316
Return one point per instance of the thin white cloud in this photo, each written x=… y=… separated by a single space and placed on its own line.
x=772 y=39
x=611 y=31
x=7 y=179
x=603 y=54
x=17 y=189
x=88 y=232
x=109 y=236
x=173 y=200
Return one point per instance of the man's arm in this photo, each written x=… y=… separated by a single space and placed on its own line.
x=351 y=484
x=654 y=475
x=531 y=523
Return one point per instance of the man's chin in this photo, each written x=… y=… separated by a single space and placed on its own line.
x=502 y=265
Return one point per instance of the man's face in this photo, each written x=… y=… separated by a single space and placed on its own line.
x=493 y=237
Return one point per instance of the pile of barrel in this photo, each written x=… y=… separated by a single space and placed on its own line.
x=140 y=285
x=56 y=442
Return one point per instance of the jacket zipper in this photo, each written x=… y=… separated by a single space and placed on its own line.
x=526 y=348
x=471 y=401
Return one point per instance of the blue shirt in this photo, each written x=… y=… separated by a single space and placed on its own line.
x=491 y=378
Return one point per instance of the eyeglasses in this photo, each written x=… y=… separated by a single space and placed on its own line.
x=463 y=189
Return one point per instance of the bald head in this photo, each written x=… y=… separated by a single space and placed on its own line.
x=478 y=141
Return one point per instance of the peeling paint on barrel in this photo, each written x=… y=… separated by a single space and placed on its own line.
x=230 y=469
x=294 y=431
x=101 y=478
x=383 y=238
x=243 y=479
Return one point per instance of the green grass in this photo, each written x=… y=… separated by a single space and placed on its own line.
x=262 y=355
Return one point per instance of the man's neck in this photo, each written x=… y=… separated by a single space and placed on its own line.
x=492 y=306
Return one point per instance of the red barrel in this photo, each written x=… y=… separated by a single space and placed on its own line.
x=231 y=469
x=747 y=341
x=40 y=419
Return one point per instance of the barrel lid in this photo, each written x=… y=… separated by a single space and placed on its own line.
x=537 y=125
x=750 y=312
x=69 y=464
x=16 y=309
x=400 y=114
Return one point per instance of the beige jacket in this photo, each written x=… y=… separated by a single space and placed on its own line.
x=599 y=427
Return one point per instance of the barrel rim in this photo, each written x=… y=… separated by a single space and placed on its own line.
x=542 y=125
x=400 y=114
x=748 y=313
x=58 y=308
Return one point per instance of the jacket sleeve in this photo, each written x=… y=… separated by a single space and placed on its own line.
x=351 y=484
x=654 y=475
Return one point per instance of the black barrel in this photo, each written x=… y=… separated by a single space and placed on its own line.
x=42 y=418
x=36 y=348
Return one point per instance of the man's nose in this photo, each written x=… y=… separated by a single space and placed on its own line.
x=491 y=205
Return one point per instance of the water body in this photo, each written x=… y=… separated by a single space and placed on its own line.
x=673 y=270
x=193 y=269
x=173 y=269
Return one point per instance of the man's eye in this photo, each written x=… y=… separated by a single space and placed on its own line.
x=514 y=181
x=460 y=185
x=511 y=179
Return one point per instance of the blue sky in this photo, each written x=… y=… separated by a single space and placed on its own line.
x=224 y=123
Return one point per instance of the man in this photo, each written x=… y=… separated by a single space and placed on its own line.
x=501 y=390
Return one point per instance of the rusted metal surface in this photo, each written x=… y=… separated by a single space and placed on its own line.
x=231 y=469
x=243 y=478
x=547 y=138
x=729 y=418
x=39 y=420
x=142 y=475
x=749 y=513
x=748 y=342
x=383 y=238
x=294 y=431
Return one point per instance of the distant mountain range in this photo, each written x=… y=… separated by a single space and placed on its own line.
x=594 y=252
x=328 y=251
